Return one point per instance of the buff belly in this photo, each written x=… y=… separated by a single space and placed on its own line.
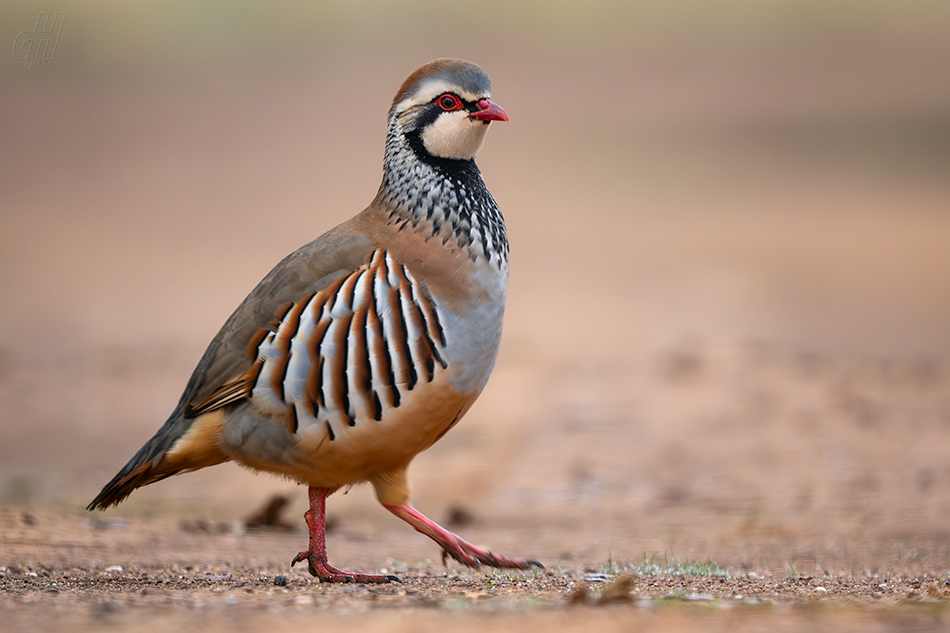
x=355 y=453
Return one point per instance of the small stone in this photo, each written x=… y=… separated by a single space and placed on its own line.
x=617 y=591
x=595 y=577
x=459 y=516
x=580 y=594
x=280 y=580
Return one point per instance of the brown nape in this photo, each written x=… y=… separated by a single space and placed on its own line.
x=417 y=75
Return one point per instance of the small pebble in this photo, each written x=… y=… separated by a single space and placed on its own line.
x=594 y=577
x=280 y=580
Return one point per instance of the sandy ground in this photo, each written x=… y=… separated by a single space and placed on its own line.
x=163 y=574
x=725 y=347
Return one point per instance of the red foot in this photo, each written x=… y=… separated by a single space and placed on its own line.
x=456 y=547
x=316 y=554
x=325 y=572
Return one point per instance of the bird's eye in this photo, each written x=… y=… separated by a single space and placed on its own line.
x=449 y=102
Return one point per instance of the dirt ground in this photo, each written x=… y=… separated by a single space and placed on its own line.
x=723 y=396
x=222 y=577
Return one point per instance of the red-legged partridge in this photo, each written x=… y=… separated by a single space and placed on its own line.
x=365 y=346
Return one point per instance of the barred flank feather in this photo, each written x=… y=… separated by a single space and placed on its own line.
x=345 y=355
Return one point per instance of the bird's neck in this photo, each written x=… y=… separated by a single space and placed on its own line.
x=444 y=198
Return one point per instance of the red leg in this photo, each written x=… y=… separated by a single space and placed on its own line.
x=454 y=546
x=316 y=555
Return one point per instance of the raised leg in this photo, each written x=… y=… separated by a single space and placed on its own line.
x=316 y=554
x=452 y=545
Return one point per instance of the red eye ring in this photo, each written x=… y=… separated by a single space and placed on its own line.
x=449 y=102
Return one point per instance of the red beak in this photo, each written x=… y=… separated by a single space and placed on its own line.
x=488 y=111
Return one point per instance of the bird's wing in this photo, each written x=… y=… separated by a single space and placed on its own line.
x=218 y=378
x=194 y=423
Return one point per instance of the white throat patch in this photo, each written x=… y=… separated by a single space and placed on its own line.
x=454 y=135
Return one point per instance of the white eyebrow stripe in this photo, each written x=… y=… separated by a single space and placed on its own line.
x=431 y=89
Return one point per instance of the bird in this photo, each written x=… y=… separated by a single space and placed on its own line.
x=365 y=346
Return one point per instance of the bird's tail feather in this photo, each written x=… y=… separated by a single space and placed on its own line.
x=181 y=445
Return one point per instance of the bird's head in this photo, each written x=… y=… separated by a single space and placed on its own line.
x=444 y=109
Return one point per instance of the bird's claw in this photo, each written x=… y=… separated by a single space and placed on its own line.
x=474 y=557
x=325 y=572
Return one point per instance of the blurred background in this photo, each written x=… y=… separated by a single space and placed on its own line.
x=730 y=272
